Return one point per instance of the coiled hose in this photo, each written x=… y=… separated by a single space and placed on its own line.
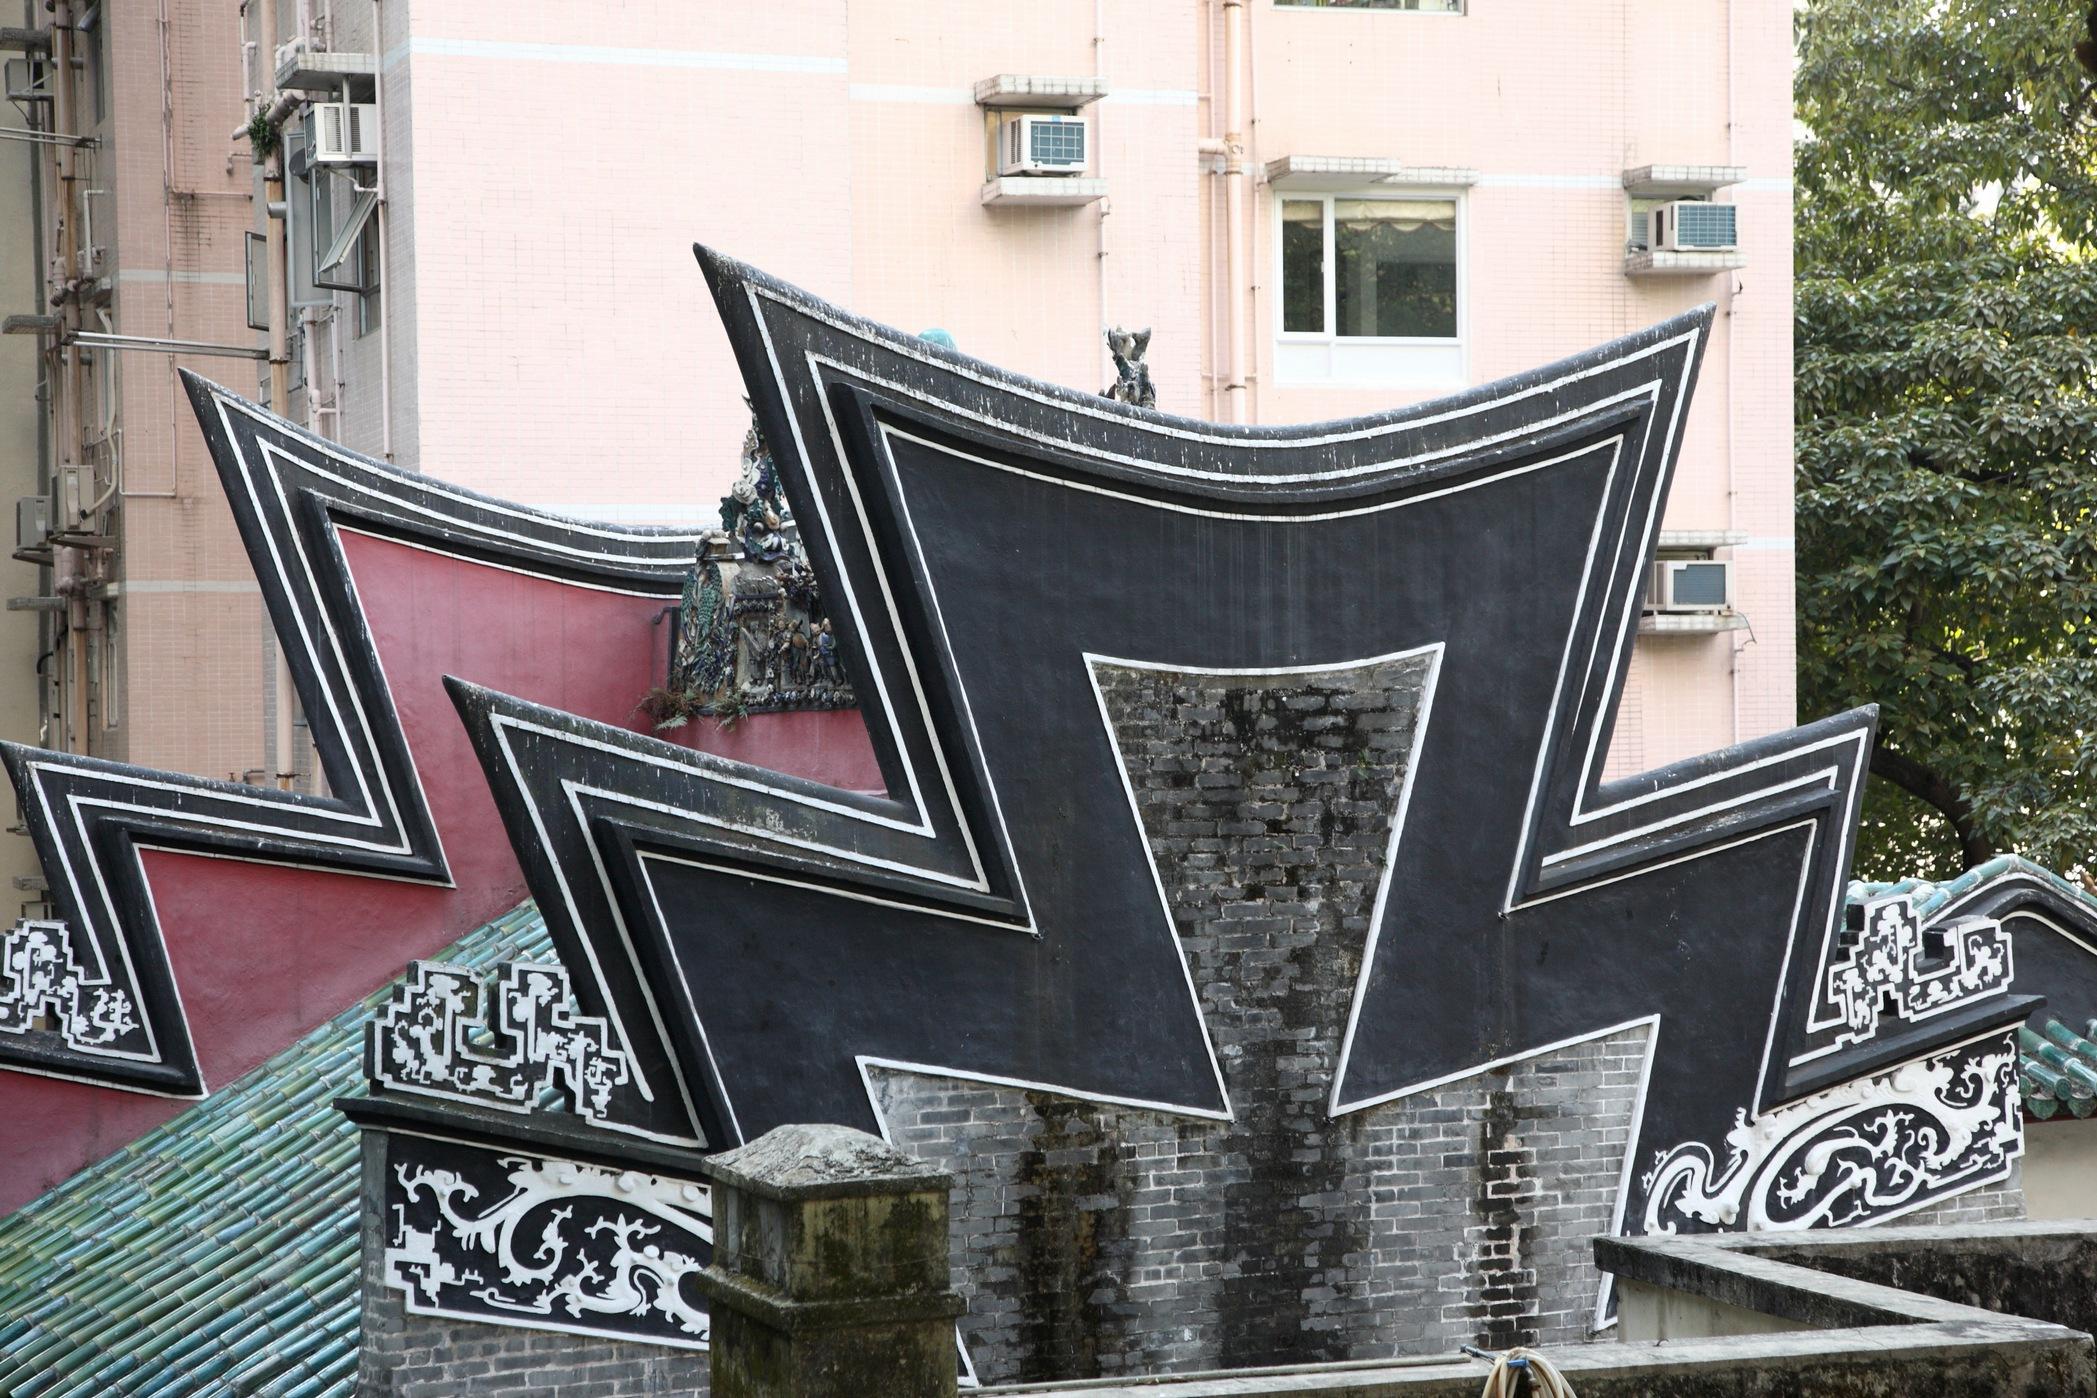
x=1510 y=1367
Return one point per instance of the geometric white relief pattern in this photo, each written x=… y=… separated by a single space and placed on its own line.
x=38 y=975
x=1894 y=966
x=1854 y=1153
x=433 y=1038
x=611 y=1250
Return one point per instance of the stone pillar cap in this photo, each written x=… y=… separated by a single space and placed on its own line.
x=822 y=1162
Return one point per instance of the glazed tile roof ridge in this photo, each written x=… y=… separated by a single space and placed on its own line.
x=218 y=1253
x=1931 y=895
x=2057 y=1070
x=2056 y=1066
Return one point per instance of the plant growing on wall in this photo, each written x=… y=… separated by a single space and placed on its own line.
x=1947 y=423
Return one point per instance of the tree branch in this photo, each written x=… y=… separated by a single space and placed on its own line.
x=1933 y=790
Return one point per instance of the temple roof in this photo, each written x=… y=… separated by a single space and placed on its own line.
x=1930 y=895
x=219 y=1250
x=2056 y=1065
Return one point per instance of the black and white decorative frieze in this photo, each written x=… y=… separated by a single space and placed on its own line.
x=1899 y=965
x=441 y=1036
x=45 y=990
x=1868 y=1150
x=554 y=1244
x=997 y=551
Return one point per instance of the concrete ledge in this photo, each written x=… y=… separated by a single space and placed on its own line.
x=1661 y=263
x=1995 y=1358
x=1043 y=191
x=797 y=1163
x=1675 y=181
x=1855 y=1336
x=1037 y=93
x=1690 y=623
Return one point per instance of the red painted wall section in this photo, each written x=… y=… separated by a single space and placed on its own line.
x=263 y=954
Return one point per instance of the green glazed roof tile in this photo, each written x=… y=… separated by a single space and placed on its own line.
x=2057 y=1070
x=217 y=1253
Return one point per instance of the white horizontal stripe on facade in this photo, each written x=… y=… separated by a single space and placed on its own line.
x=160 y=274
x=1153 y=96
x=899 y=92
x=1551 y=181
x=1771 y=544
x=603 y=56
x=966 y=97
x=131 y=585
x=1512 y=181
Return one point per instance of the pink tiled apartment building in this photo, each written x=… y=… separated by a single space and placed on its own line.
x=1321 y=208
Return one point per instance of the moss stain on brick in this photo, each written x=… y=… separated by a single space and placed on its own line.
x=1073 y=1218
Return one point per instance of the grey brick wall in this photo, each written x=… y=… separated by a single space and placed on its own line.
x=1095 y=1240
x=402 y=1355
x=2002 y=1202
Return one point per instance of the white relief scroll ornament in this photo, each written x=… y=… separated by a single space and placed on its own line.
x=1897 y=965
x=42 y=985
x=1852 y=1154
x=434 y=1037
x=609 y=1250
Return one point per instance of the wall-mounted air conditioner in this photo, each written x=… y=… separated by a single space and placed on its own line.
x=32 y=521
x=1690 y=585
x=1042 y=145
x=343 y=133
x=1693 y=225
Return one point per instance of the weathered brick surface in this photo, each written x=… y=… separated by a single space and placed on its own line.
x=1095 y=1239
x=2001 y=1202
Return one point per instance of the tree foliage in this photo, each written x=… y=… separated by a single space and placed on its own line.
x=1947 y=419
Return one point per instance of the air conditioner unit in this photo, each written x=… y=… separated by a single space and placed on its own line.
x=72 y=488
x=1690 y=585
x=32 y=520
x=1042 y=145
x=343 y=133
x=1693 y=225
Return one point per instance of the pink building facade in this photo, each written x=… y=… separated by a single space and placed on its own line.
x=546 y=167
x=1319 y=209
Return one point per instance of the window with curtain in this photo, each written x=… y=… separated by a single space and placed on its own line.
x=1370 y=268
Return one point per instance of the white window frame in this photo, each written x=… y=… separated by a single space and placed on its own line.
x=1329 y=337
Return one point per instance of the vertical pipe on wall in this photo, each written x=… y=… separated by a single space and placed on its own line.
x=1732 y=359
x=167 y=222
x=1099 y=171
x=382 y=229
x=280 y=754
x=1234 y=205
x=69 y=574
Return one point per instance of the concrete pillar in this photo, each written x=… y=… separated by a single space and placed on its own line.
x=829 y=1277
